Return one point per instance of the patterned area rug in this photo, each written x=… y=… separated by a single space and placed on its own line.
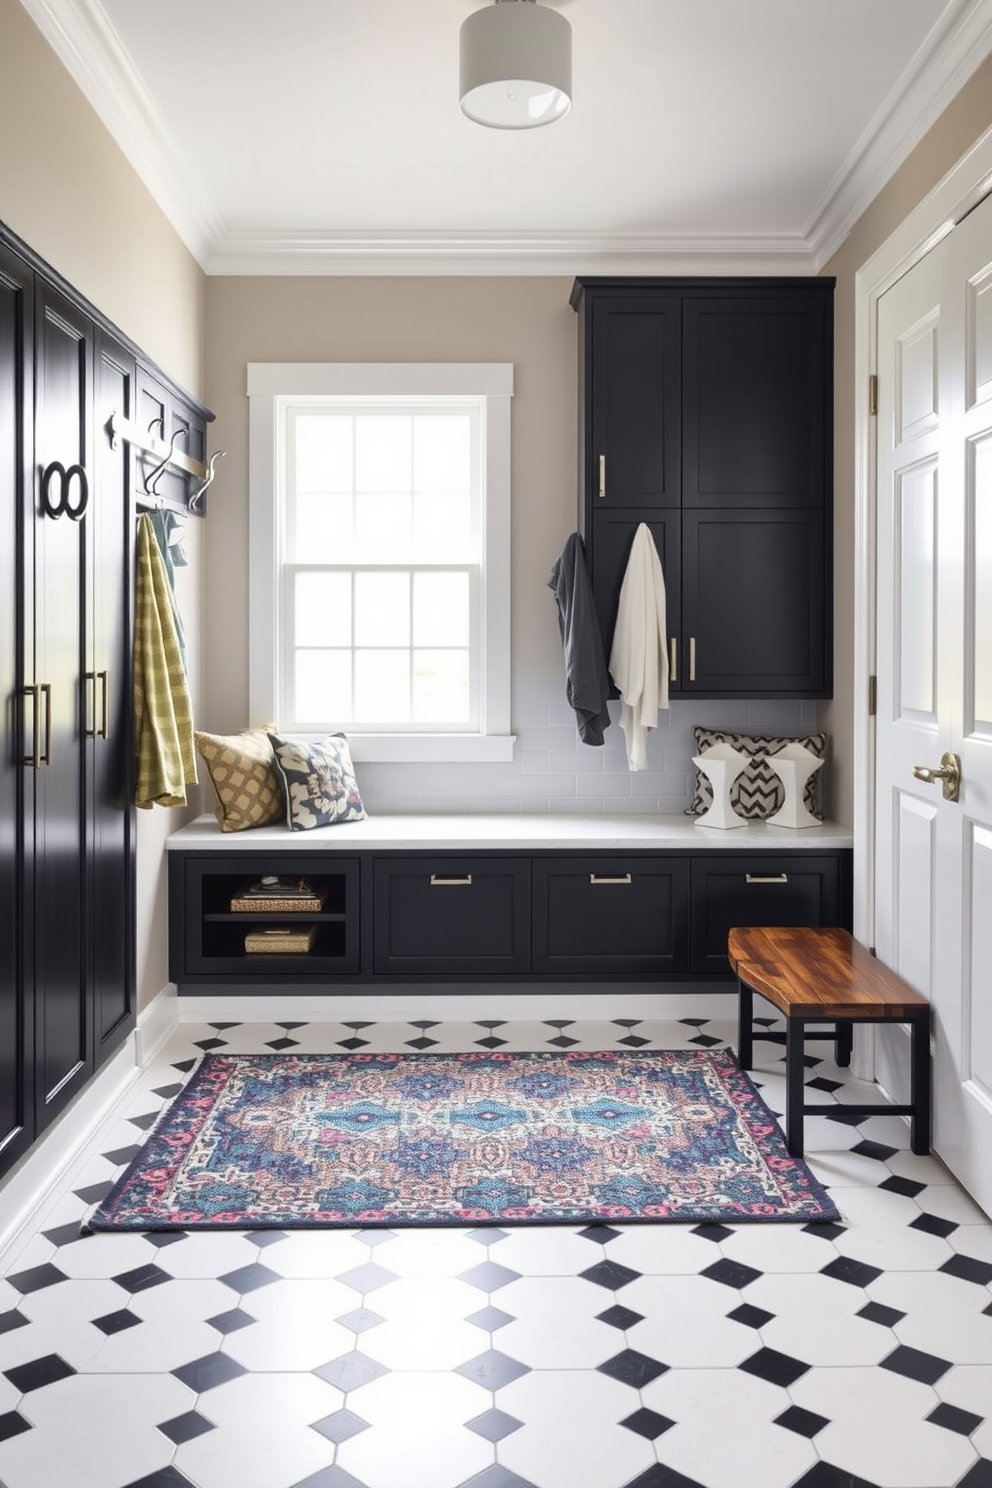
x=295 y=1141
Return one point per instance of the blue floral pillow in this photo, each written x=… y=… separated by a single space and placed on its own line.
x=318 y=781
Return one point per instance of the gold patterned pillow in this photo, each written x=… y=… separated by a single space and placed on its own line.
x=244 y=780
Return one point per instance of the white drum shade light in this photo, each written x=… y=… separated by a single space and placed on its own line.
x=516 y=65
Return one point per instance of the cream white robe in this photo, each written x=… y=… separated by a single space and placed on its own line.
x=639 y=657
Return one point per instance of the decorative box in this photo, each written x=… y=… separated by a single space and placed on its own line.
x=281 y=940
x=273 y=895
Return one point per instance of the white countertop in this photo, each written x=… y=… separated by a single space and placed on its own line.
x=519 y=832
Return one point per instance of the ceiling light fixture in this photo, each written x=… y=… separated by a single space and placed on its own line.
x=516 y=65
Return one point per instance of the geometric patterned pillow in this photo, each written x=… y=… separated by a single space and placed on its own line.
x=245 y=784
x=757 y=792
x=319 y=785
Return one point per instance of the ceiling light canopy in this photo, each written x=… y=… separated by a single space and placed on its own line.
x=516 y=65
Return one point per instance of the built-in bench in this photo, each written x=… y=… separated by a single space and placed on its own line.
x=825 y=975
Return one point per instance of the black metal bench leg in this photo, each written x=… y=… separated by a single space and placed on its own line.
x=795 y=1069
x=919 y=1122
x=745 y=1018
x=845 y=1042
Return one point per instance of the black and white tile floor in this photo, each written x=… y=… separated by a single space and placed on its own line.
x=708 y=1356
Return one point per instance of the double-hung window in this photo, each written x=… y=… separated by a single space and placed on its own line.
x=379 y=562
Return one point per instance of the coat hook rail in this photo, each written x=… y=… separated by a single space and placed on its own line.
x=120 y=428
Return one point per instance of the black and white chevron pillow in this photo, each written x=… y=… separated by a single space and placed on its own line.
x=757 y=792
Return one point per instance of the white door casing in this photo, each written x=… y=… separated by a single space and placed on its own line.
x=933 y=856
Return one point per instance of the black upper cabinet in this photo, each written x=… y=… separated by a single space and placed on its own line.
x=705 y=411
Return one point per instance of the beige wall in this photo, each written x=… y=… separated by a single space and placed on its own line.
x=961 y=124
x=69 y=193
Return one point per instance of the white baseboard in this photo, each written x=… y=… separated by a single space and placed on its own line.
x=156 y=1023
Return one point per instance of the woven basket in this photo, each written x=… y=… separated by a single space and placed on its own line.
x=281 y=941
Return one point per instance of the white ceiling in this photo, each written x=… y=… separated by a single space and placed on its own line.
x=324 y=136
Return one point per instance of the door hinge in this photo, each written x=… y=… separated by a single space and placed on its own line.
x=872 y=696
x=873 y=394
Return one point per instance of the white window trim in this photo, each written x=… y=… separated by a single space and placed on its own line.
x=270 y=383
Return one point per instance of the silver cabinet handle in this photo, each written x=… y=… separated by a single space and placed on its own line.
x=673 y=665
x=450 y=883
x=776 y=878
x=602 y=476
x=34 y=758
x=98 y=731
x=603 y=878
x=692 y=658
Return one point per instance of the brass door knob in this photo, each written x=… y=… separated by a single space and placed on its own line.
x=949 y=775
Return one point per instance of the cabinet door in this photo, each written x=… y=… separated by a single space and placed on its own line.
x=107 y=710
x=756 y=398
x=754 y=608
x=633 y=430
x=16 y=1051
x=610 y=915
x=727 y=890
x=613 y=533
x=63 y=373
x=451 y=916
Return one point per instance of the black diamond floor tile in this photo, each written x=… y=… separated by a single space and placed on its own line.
x=633 y=1368
x=494 y=1425
x=230 y=1322
x=422 y=1042
x=264 y=1239
x=777 y=1368
x=94 y=1192
x=12 y=1424
x=711 y=1230
x=610 y=1274
x=290 y=1026
x=751 y=1317
x=186 y=1427
x=705 y=1040
x=968 y=1269
x=38 y=1373
x=953 y=1419
x=491 y=1041
x=633 y=1041
x=979 y=1475
x=660 y=1476
x=492 y=1369
x=166 y=1477
x=122 y=1155
x=599 y=1234
x=916 y=1365
x=822 y=1083
x=360 y=1320
x=11 y=1320
x=825 y=1475
x=208 y=1372
x=142 y=1278
x=250 y=1278
x=620 y=1317
x=423 y=1023
x=65 y=1234
x=340 y=1426
x=207 y=1044
x=488 y=1276
x=877 y=1150
x=497 y=1476
x=802 y=1422
x=559 y=1022
x=356 y=1024
x=731 y=1273
x=37 y=1278
x=280 y=1044
x=490 y=1318
x=648 y=1423
x=857 y=1273
x=701 y=1022
x=824 y=1229
x=874 y=1312
x=842 y=1118
x=907 y=1187
x=161 y=1238
x=168 y=1091
x=932 y=1224
x=352 y=1043
x=487 y=1237
x=116 y=1322
x=351 y=1371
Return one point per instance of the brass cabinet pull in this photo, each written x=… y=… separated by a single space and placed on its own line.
x=692 y=658
x=34 y=758
x=101 y=731
x=604 y=878
x=104 y=679
x=776 y=878
x=602 y=476
x=450 y=883
x=673 y=664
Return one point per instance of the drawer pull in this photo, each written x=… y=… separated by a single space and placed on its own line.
x=450 y=883
x=602 y=878
x=673 y=664
x=779 y=878
x=602 y=477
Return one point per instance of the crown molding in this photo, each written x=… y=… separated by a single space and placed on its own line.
x=955 y=48
x=82 y=37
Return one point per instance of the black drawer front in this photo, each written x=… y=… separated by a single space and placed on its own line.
x=450 y=916
x=610 y=915
x=749 y=890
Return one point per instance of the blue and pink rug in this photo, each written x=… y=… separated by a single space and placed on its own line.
x=309 y=1141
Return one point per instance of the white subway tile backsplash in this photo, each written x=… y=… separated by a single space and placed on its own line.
x=586 y=760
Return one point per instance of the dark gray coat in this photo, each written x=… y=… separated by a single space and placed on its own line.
x=587 y=683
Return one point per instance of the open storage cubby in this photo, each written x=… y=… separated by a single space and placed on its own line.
x=214 y=942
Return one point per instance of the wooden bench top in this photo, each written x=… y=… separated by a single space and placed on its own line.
x=820 y=973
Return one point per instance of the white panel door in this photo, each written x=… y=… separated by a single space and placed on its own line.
x=933 y=879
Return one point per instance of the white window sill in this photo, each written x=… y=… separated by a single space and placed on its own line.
x=431 y=748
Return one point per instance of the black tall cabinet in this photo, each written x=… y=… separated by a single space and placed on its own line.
x=706 y=412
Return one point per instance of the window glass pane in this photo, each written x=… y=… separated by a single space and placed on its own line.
x=382 y=452
x=323 y=686
x=382 y=527
x=382 y=609
x=440 y=609
x=440 y=687
x=382 y=686
x=323 y=609
x=323 y=529
x=323 y=452
x=443 y=527
x=442 y=453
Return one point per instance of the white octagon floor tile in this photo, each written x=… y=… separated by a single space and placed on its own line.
x=263 y=1437
x=72 y=1302
x=874 y=1208
x=438 y=1252
x=294 y=1326
x=551 y=1250
x=919 y=1167
x=32 y=1460
x=944 y=1316
x=154 y=1347
x=815 y=1321
x=207 y=1253
x=421 y=1435
x=659 y=1250
x=950 y=1202
x=894 y=1249
x=879 y=1430
x=187 y=1301
x=685 y=1322
x=107 y=1255
x=318 y=1254
x=426 y=1333
x=76 y=1342
x=972 y=1240
x=843 y=1169
x=555 y=1323
x=570 y=1434
x=968 y=1386
x=778 y=1247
